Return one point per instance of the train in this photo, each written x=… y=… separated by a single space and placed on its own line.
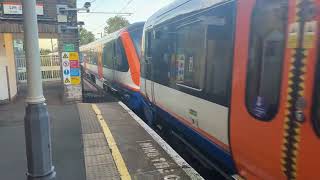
x=113 y=63
x=238 y=82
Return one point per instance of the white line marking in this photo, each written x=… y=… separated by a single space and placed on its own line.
x=143 y=141
x=193 y=174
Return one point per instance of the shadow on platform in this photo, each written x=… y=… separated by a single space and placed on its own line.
x=67 y=149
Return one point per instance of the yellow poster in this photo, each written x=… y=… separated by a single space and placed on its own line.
x=73 y=56
x=75 y=80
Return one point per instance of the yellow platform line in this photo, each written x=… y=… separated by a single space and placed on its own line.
x=121 y=165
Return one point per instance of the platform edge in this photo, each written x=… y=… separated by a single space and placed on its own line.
x=192 y=173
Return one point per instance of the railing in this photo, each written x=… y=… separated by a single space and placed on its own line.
x=50 y=68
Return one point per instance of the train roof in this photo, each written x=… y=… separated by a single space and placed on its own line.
x=178 y=8
x=114 y=35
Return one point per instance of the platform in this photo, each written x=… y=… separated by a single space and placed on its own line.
x=119 y=145
x=102 y=143
x=67 y=148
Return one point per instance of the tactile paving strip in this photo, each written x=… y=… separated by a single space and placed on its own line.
x=88 y=118
x=101 y=172
x=98 y=159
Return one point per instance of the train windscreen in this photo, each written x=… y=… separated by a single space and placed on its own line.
x=136 y=36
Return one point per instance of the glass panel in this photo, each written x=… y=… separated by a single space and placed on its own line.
x=122 y=62
x=93 y=57
x=219 y=56
x=108 y=55
x=191 y=55
x=266 y=54
x=136 y=36
x=316 y=106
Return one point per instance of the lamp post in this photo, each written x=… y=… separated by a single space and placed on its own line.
x=36 y=122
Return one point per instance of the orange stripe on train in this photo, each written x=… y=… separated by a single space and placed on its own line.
x=132 y=57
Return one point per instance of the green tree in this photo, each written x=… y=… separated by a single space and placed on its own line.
x=86 y=37
x=45 y=51
x=115 y=23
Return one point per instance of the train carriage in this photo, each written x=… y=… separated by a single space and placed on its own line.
x=113 y=63
x=239 y=82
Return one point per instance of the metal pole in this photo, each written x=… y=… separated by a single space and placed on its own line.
x=36 y=122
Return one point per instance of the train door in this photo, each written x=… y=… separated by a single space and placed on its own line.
x=271 y=129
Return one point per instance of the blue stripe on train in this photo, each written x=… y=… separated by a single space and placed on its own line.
x=196 y=138
x=131 y=98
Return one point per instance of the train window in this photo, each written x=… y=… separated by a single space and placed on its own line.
x=93 y=57
x=136 y=36
x=85 y=57
x=266 y=54
x=148 y=45
x=145 y=65
x=121 y=58
x=219 y=59
x=108 y=55
x=191 y=56
x=161 y=53
x=204 y=55
x=316 y=105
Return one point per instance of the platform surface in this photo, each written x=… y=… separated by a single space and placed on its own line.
x=145 y=155
x=67 y=149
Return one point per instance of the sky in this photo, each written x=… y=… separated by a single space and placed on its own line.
x=141 y=9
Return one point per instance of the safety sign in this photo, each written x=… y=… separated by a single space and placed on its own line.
x=68 y=47
x=75 y=72
x=66 y=63
x=66 y=72
x=73 y=56
x=67 y=81
x=65 y=55
x=75 y=80
x=71 y=68
x=66 y=69
x=74 y=64
x=66 y=75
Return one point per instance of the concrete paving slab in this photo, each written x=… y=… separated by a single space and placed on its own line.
x=68 y=157
x=99 y=162
x=144 y=158
x=13 y=161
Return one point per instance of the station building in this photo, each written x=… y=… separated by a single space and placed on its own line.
x=51 y=41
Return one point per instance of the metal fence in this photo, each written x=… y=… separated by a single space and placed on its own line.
x=50 y=68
